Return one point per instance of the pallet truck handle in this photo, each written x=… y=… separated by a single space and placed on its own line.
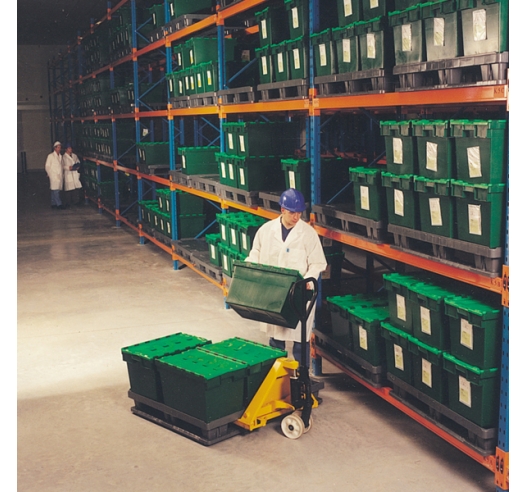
x=303 y=313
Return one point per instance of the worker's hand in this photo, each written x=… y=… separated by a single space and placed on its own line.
x=310 y=286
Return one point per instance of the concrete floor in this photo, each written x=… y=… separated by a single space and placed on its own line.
x=85 y=290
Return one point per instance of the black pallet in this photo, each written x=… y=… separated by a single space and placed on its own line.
x=187 y=247
x=271 y=202
x=202 y=432
x=481 y=440
x=209 y=183
x=375 y=81
x=238 y=95
x=477 y=70
x=288 y=89
x=341 y=218
x=167 y=241
x=180 y=102
x=373 y=375
x=180 y=178
x=176 y=25
x=153 y=170
x=205 y=99
x=247 y=198
x=461 y=254
x=201 y=261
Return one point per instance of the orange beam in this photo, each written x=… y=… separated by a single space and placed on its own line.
x=488 y=462
x=193 y=268
x=193 y=111
x=492 y=284
x=239 y=7
x=194 y=28
x=267 y=106
x=159 y=244
x=150 y=177
x=202 y=194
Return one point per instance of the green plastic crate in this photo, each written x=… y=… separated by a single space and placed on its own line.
x=297 y=175
x=442 y=26
x=213 y=241
x=191 y=225
x=401 y=152
x=435 y=148
x=401 y=200
x=472 y=392
x=428 y=374
x=375 y=43
x=273 y=25
x=324 y=53
x=398 y=356
x=404 y=4
x=298 y=58
x=259 y=138
x=198 y=160
x=475 y=331
x=203 y=385
x=480 y=212
x=371 y=9
x=368 y=193
x=485 y=26
x=188 y=204
x=368 y=342
x=209 y=76
x=280 y=62
x=408 y=35
x=151 y=153
x=226 y=167
x=179 y=60
x=480 y=150
x=140 y=359
x=247 y=228
x=146 y=210
x=178 y=8
x=261 y=293
x=265 y=64
x=199 y=50
x=298 y=16
x=349 y=11
x=347 y=46
x=163 y=199
x=258 y=358
x=223 y=222
x=228 y=257
x=259 y=173
x=436 y=206
x=158 y=15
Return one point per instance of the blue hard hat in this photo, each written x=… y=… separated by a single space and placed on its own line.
x=292 y=200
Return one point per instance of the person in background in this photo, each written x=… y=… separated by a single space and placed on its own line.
x=289 y=242
x=55 y=174
x=72 y=182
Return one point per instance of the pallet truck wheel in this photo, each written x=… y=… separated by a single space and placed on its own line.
x=293 y=426
x=307 y=429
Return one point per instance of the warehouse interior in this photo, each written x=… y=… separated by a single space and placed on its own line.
x=87 y=287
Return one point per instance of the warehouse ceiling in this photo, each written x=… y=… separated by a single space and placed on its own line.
x=56 y=21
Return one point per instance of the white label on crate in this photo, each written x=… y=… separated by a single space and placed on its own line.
x=479 y=24
x=242 y=176
x=439 y=31
x=465 y=392
x=198 y=79
x=401 y=307
x=435 y=212
x=213 y=251
x=280 y=60
x=179 y=59
x=348 y=8
x=264 y=65
x=223 y=172
x=231 y=171
x=172 y=10
x=346 y=50
x=263 y=28
x=241 y=138
x=192 y=83
x=426 y=326
x=162 y=225
x=292 y=183
x=168 y=228
x=426 y=372
x=296 y=58
x=374 y=4
x=406 y=33
x=323 y=56
x=191 y=55
x=363 y=338
x=474 y=162
x=474 y=219
x=398 y=202
x=225 y=260
x=244 y=241
x=184 y=161
x=294 y=17
x=466 y=337
x=187 y=85
x=431 y=156
x=397 y=150
x=180 y=86
x=224 y=233
x=209 y=77
x=154 y=18
x=398 y=356
x=364 y=198
x=233 y=235
x=370 y=45
x=170 y=85
x=230 y=141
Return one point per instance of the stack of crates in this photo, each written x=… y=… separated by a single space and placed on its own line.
x=447 y=177
x=445 y=343
x=253 y=150
x=235 y=239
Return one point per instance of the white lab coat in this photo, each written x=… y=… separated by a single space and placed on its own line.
x=301 y=251
x=54 y=171
x=71 y=178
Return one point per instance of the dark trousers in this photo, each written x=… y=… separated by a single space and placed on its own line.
x=297 y=348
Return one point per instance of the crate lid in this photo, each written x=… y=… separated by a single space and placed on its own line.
x=365 y=170
x=351 y=301
x=246 y=351
x=464 y=367
x=399 y=17
x=160 y=347
x=480 y=127
x=184 y=150
x=489 y=188
x=371 y=314
x=373 y=25
x=430 y=290
x=426 y=347
x=151 y=144
x=396 y=331
x=438 y=7
x=406 y=279
x=473 y=306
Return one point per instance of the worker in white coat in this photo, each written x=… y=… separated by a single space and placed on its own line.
x=289 y=242
x=55 y=174
x=72 y=182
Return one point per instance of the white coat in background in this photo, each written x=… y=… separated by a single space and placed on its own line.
x=54 y=171
x=71 y=178
x=301 y=251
